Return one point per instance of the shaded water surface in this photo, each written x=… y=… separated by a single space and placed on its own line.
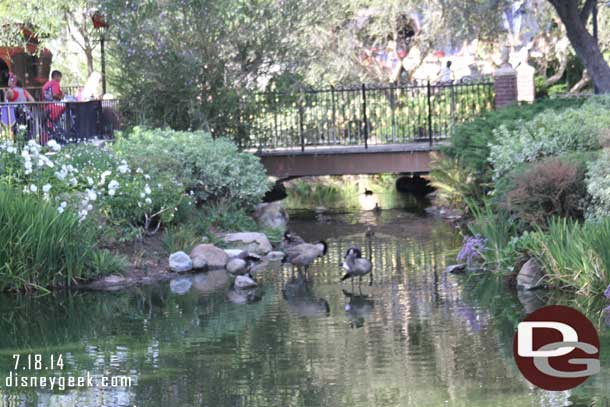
x=416 y=337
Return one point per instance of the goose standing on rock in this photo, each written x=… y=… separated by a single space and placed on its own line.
x=357 y=266
x=302 y=255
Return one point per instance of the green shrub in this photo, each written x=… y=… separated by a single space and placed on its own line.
x=212 y=169
x=470 y=143
x=40 y=247
x=453 y=183
x=550 y=134
x=598 y=185
x=574 y=256
x=553 y=187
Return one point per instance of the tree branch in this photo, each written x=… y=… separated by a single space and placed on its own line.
x=586 y=10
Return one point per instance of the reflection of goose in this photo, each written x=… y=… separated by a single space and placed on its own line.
x=358 y=308
x=304 y=254
x=301 y=299
x=240 y=296
x=356 y=266
x=370 y=233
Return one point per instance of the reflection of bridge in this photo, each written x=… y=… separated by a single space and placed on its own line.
x=341 y=160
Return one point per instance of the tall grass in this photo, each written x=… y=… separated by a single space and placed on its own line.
x=40 y=247
x=575 y=256
x=498 y=229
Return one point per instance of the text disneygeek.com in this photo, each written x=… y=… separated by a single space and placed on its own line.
x=15 y=381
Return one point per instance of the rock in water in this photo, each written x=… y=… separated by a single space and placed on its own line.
x=530 y=276
x=271 y=215
x=209 y=255
x=180 y=262
x=237 y=266
x=275 y=256
x=233 y=252
x=180 y=286
x=244 y=282
x=252 y=242
x=456 y=268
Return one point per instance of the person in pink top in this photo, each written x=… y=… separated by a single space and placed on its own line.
x=51 y=91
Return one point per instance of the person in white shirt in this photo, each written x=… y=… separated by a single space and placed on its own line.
x=444 y=75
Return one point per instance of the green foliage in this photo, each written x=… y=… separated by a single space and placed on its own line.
x=598 y=185
x=574 y=255
x=550 y=133
x=470 y=143
x=211 y=169
x=105 y=262
x=497 y=228
x=181 y=238
x=453 y=183
x=40 y=247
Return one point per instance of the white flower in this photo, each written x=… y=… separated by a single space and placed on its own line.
x=63 y=205
x=139 y=170
x=11 y=150
x=147 y=190
x=146 y=176
x=89 y=207
x=89 y=180
x=53 y=145
x=113 y=185
x=33 y=188
x=92 y=195
x=46 y=188
x=123 y=168
x=111 y=192
x=142 y=195
x=148 y=201
x=103 y=177
x=60 y=210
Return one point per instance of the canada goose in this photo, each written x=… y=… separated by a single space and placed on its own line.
x=369 y=232
x=368 y=192
x=356 y=266
x=305 y=253
x=290 y=240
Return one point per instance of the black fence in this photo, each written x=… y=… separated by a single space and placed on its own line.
x=65 y=122
x=36 y=92
x=363 y=115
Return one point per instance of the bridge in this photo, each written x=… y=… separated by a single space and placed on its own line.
x=361 y=130
x=413 y=158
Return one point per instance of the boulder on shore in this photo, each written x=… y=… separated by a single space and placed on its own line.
x=252 y=242
x=271 y=215
x=531 y=275
x=180 y=262
x=237 y=265
x=210 y=256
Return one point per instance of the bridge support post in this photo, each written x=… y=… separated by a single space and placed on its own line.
x=364 y=118
x=429 y=100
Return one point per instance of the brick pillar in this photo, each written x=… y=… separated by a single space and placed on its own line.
x=526 y=90
x=505 y=85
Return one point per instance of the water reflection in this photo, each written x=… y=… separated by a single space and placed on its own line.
x=417 y=337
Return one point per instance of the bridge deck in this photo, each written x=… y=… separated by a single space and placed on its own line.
x=354 y=149
x=340 y=160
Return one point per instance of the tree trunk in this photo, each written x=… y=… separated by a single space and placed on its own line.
x=582 y=41
x=89 y=56
x=582 y=83
x=563 y=64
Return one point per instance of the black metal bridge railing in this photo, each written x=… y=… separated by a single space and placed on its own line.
x=64 y=122
x=363 y=115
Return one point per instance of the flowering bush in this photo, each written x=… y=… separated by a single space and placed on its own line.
x=89 y=179
x=213 y=170
x=550 y=134
x=472 y=249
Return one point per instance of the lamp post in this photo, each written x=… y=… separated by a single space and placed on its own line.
x=99 y=22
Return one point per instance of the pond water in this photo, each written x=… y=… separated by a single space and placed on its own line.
x=416 y=337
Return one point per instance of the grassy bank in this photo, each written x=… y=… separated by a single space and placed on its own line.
x=67 y=212
x=534 y=180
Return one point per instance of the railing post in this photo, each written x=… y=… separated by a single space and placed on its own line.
x=301 y=125
x=366 y=125
x=429 y=99
x=334 y=114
